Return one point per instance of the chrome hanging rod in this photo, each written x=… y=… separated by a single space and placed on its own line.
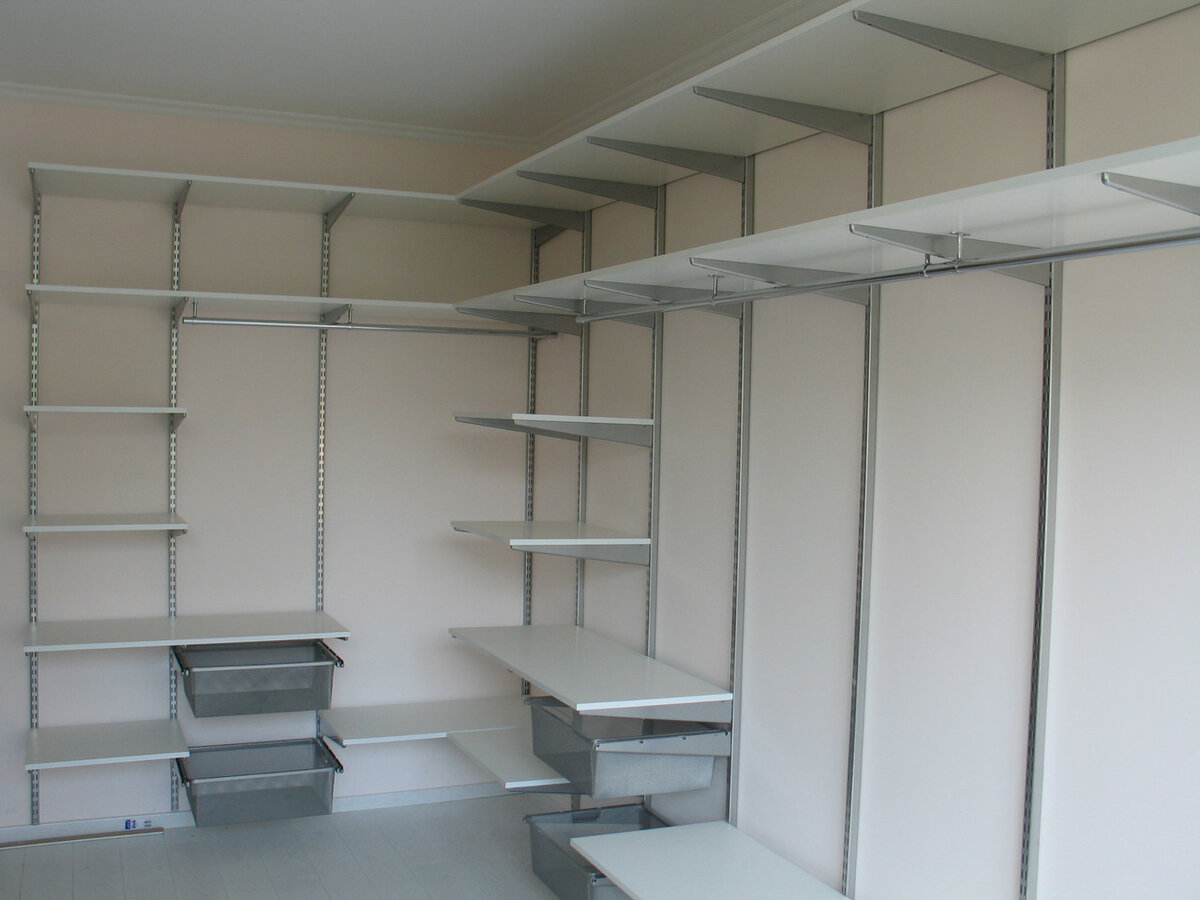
x=364 y=326
x=930 y=269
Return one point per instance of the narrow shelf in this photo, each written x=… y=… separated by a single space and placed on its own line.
x=114 y=634
x=42 y=409
x=622 y=430
x=580 y=540
x=422 y=721
x=712 y=859
x=87 y=523
x=253 y=193
x=592 y=674
x=508 y=754
x=89 y=745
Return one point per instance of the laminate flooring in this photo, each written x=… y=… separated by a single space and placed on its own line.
x=459 y=850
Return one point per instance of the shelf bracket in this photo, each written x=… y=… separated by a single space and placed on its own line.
x=787 y=276
x=583 y=307
x=1168 y=193
x=336 y=314
x=841 y=122
x=661 y=293
x=1030 y=66
x=545 y=234
x=722 y=165
x=335 y=212
x=177 y=311
x=956 y=247
x=550 y=323
x=33 y=303
x=563 y=219
x=181 y=200
x=638 y=194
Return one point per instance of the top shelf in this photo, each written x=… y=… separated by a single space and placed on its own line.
x=598 y=676
x=639 y=432
x=250 y=193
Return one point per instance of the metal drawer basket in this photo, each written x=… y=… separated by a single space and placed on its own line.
x=249 y=679
x=258 y=782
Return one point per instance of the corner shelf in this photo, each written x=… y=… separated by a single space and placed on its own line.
x=88 y=745
x=423 y=721
x=90 y=523
x=235 y=628
x=508 y=755
x=580 y=540
x=594 y=675
x=712 y=859
x=639 y=432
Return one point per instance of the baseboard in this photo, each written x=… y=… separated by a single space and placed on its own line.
x=153 y=823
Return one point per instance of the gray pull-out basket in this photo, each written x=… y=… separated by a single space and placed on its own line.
x=563 y=870
x=607 y=756
x=249 y=679
x=257 y=782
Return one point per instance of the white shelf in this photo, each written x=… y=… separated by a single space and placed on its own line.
x=694 y=862
x=1045 y=209
x=88 y=523
x=114 y=634
x=423 y=721
x=580 y=540
x=829 y=61
x=88 y=745
x=508 y=755
x=42 y=409
x=250 y=193
x=622 y=430
x=592 y=674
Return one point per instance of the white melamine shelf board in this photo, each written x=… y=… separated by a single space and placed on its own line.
x=623 y=430
x=1044 y=209
x=251 y=193
x=81 y=523
x=82 y=295
x=423 y=721
x=580 y=540
x=508 y=755
x=685 y=862
x=42 y=409
x=587 y=672
x=831 y=61
x=233 y=628
x=114 y=742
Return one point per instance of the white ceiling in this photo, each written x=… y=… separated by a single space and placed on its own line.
x=509 y=71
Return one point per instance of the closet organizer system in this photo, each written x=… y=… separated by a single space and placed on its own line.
x=834 y=74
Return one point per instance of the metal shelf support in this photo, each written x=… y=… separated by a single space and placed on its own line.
x=956 y=247
x=844 y=123
x=1168 y=193
x=784 y=275
x=638 y=194
x=722 y=165
x=562 y=219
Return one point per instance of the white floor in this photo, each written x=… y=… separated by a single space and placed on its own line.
x=461 y=850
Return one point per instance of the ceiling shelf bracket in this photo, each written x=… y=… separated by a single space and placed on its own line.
x=638 y=194
x=1030 y=66
x=844 y=123
x=1168 y=193
x=785 y=276
x=721 y=165
x=564 y=219
x=956 y=248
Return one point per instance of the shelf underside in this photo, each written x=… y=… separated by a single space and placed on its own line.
x=711 y=859
x=423 y=721
x=594 y=675
x=114 y=634
x=102 y=522
x=89 y=745
x=639 y=432
x=508 y=755
x=579 y=540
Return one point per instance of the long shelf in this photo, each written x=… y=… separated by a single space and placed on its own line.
x=103 y=522
x=42 y=409
x=1067 y=208
x=689 y=862
x=580 y=540
x=251 y=193
x=508 y=755
x=422 y=721
x=639 y=432
x=89 y=745
x=114 y=634
x=592 y=674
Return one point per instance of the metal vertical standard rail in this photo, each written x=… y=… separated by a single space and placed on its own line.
x=322 y=382
x=530 y=444
x=35 y=790
x=866 y=526
x=585 y=363
x=173 y=472
x=1047 y=511
x=656 y=390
